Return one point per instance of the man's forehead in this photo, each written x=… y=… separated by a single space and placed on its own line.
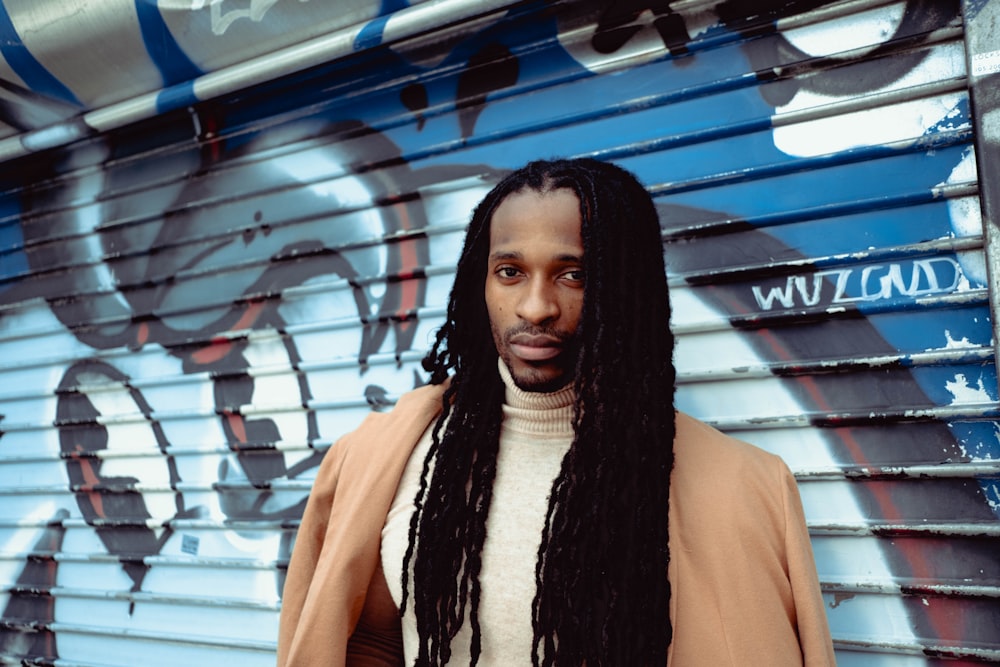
x=528 y=213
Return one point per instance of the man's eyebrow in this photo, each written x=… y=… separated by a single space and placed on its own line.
x=502 y=255
x=512 y=255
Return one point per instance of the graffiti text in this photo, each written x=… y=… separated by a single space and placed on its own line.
x=922 y=277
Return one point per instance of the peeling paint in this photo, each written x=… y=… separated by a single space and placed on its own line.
x=964 y=392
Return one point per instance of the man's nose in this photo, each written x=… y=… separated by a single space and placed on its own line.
x=539 y=302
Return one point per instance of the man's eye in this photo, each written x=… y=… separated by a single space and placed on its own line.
x=507 y=272
x=576 y=276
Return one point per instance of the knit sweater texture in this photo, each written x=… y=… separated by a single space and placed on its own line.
x=535 y=436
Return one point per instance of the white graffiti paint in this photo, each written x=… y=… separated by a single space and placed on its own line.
x=923 y=277
x=964 y=392
x=222 y=19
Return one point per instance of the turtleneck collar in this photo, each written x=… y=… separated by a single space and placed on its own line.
x=537 y=413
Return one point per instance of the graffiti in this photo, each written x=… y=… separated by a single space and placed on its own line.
x=620 y=23
x=939 y=275
x=27 y=599
x=111 y=502
x=826 y=48
x=222 y=18
x=228 y=332
x=194 y=308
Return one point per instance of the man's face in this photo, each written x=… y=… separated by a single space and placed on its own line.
x=534 y=286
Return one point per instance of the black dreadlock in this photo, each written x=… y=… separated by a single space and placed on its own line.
x=602 y=594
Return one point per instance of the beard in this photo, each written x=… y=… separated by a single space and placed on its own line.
x=538 y=376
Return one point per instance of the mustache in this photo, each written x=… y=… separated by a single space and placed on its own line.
x=561 y=336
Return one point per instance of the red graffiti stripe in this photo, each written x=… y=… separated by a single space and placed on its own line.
x=91 y=481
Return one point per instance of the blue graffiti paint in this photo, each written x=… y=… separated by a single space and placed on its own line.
x=13 y=262
x=973 y=7
x=979 y=439
x=383 y=109
x=34 y=75
x=976 y=379
x=370 y=36
x=176 y=97
x=174 y=65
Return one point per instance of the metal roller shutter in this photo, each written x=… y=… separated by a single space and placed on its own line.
x=228 y=230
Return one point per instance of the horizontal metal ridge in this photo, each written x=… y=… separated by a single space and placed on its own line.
x=989 y=411
x=823 y=211
x=929 y=358
x=943 y=470
x=230 y=564
x=732 y=274
x=985 y=528
x=252 y=604
x=929 y=650
x=911 y=587
x=206 y=640
x=249 y=525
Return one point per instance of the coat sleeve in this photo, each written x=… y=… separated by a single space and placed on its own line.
x=308 y=548
x=337 y=548
x=810 y=611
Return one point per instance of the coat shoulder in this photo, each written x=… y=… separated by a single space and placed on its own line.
x=697 y=443
x=714 y=470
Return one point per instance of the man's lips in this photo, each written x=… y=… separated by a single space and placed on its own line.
x=535 y=347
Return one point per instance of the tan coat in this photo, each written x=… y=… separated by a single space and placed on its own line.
x=744 y=586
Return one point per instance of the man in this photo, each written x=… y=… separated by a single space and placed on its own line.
x=540 y=501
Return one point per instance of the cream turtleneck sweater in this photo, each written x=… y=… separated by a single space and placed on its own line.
x=535 y=435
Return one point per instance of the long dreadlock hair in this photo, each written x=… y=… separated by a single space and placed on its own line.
x=602 y=594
